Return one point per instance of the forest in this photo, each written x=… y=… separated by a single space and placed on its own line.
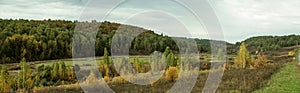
x=34 y=58
x=52 y=39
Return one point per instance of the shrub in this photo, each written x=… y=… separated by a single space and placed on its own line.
x=91 y=80
x=260 y=61
x=106 y=78
x=291 y=53
x=172 y=74
x=118 y=80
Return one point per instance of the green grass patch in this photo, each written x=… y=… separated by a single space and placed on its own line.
x=286 y=80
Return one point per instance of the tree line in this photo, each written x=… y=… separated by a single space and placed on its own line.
x=53 y=39
x=263 y=43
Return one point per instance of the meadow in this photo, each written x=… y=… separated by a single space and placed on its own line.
x=34 y=58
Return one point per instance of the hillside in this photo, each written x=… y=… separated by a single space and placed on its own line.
x=265 y=43
x=52 y=39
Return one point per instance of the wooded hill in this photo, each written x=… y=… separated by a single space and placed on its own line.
x=53 y=39
x=264 y=43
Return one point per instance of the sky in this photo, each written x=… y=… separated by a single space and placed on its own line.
x=239 y=19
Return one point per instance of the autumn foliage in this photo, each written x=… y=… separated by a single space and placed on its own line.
x=172 y=74
x=245 y=60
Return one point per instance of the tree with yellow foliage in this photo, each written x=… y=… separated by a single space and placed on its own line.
x=5 y=81
x=243 y=59
x=25 y=80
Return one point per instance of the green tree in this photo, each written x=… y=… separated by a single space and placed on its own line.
x=106 y=57
x=171 y=61
x=170 y=57
x=167 y=51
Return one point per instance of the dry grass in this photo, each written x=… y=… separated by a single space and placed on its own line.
x=72 y=88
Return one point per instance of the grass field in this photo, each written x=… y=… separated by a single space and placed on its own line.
x=69 y=62
x=234 y=80
x=286 y=80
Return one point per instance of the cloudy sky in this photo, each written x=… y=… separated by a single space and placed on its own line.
x=239 y=19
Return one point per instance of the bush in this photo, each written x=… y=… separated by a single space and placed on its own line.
x=172 y=74
x=106 y=78
x=91 y=80
x=291 y=54
x=118 y=80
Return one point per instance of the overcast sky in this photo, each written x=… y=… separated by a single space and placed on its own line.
x=240 y=19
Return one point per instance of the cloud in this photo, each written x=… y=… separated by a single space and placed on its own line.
x=162 y=16
x=41 y=9
x=240 y=19
x=248 y=18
